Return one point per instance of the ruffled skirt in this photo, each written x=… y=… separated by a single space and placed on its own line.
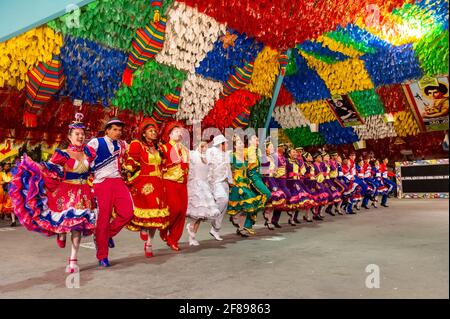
x=278 y=198
x=201 y=203
x=48 y=206
x=243 y=200
x=150 y=207
x=300 y=196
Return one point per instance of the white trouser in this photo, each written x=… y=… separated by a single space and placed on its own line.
x=220 y=192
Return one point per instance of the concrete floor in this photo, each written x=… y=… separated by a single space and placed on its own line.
x=409 y=241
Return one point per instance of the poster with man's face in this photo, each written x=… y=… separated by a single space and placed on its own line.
x=342 y=106
x=428 y=99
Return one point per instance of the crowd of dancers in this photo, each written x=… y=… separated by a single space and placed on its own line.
x=156 y=183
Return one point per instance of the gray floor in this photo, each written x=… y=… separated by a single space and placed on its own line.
x=408 y=241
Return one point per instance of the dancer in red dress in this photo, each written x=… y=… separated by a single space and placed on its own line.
x=146 y=184
x=175 y=176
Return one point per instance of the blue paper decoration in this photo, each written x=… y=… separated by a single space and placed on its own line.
x=357 y=34
x=93 y=72
x=219 y=63
x=273 y=123
x=395 y=65
x=334 y=134
x=438 y=9
x=306 y=85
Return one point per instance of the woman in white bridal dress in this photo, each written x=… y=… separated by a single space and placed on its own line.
x=201 y=203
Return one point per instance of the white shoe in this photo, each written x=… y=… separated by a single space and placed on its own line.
x=193 y=242
x=189 y=230
x=215 y=234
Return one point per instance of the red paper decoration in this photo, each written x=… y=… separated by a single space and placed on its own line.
x=228 y=108
x=284 y=97
x=393 y=98
x=284 y=23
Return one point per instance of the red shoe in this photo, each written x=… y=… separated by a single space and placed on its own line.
x=143 y=235
x=174 y=247
x=73 y=268
x=61 y=243
x=148 y=253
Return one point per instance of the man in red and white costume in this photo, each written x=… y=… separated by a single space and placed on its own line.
x=109 y=188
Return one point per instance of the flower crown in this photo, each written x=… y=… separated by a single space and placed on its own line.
x=77 y=123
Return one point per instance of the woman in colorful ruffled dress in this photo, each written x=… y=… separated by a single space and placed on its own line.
x=201 y=203
x=243 y=200
x=329 y=169
x=278 y=197
x=314 y=180
x=281 y=178
x=146 y=186
x=54 y=198
x=300 y=197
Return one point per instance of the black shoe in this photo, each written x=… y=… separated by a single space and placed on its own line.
x=277 y=225
x=291 y=223
x=242 y=233
x=297 y=221
x=318 y=217
x=13 y=224
x=384 y=205
x=232 y=221
x=351 y=213
x=365 y=206
x=330 y=212
x=269 y=226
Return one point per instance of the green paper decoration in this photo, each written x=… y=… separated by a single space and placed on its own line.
x=367 y=102
x=150 y=82
x=432 y=52
x=339 y=36
x=258 y=114
x=291 y=67
x=302 y=136
x=110 y=22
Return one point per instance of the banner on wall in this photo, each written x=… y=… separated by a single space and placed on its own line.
x=345 y=111
x=422 y=179
x=428 y=99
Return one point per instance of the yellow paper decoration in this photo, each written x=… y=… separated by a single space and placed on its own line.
x=23 y=52
x=339 y=47
x=342 y=77
x=317 y=111
x=265 y=71
x=405 y=124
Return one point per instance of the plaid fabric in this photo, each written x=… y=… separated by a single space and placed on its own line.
x=283 y=60
x=238 y=80
x=44 y=81
x=157 y=4
x=167 y=106
x=148 y=42
x=241 y=120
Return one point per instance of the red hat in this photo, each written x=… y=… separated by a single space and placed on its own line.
x=168 y=129
x=148 y=121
